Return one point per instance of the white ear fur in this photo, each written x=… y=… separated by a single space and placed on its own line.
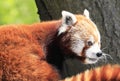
x=86 y=13
x=66 y=14
x=68 y=19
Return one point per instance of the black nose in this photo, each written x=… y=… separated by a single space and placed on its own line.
x=99 y=54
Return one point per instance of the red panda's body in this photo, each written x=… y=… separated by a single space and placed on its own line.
x=21 y=52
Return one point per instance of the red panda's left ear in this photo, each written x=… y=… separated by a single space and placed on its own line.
x=86 y=13
x=68 y=19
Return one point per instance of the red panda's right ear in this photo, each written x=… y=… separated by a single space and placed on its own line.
x=68 y=19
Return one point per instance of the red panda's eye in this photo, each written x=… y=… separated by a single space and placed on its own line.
x=90 y=43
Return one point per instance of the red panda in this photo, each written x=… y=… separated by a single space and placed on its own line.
x=35 y=52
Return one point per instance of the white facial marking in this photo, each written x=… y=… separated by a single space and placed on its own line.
x=86 y=13
x=91 y=53
x=77 y=47
x=88 y=61
x=62 y=29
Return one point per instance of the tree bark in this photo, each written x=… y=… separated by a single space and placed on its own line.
x=105 y=14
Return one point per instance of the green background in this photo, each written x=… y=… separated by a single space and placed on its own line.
x=18 y=12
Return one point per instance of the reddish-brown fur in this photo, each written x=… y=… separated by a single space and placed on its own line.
x=24 y=48
x=21 y=52
x=104 y=73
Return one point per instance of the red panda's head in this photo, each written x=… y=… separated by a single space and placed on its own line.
x=79 y=35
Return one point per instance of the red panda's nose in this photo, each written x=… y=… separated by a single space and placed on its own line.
x=99 y=54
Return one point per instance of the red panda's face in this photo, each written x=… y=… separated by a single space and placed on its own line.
x=80 y=36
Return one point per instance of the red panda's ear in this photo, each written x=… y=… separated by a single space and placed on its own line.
x=86 y=13
x=68 y=19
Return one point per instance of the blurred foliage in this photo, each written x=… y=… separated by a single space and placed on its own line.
x=18 y=11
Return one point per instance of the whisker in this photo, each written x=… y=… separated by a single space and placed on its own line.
x=104 y=48
x=105 y=58
x=109 y=56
